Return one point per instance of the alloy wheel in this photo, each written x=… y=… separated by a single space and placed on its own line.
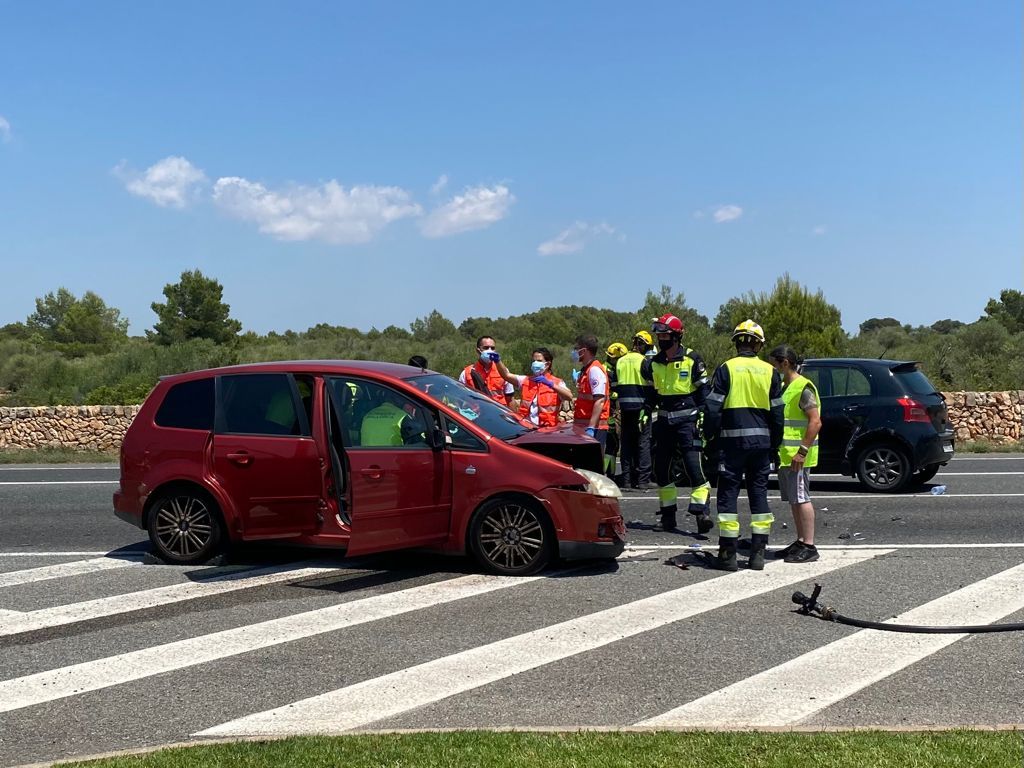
x=883 y=467
x=184 y=526
x=512 y=536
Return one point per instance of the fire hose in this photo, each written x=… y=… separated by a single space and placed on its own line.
x=810 y=606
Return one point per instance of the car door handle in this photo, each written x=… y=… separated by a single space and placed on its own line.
x=853 y=408
x=242 y=458
x=374 y=473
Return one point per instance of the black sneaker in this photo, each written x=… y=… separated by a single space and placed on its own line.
x=803 y=554
x=786 y=551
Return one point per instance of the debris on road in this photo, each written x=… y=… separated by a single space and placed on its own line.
x=678 y=561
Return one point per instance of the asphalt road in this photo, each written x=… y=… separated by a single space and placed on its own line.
x=286 y=640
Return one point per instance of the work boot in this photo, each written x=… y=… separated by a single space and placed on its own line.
x=666 y=523
x=756 y=561
x=726 y=560
x=704 y=523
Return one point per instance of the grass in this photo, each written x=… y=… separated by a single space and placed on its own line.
x=56 y=456
x=461 y=749
x=987 y=446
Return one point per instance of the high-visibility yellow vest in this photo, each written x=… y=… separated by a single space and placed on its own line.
x=796 y=424
x=382 y=426
x=629 y=383
x=750 y=383
x=675 y=377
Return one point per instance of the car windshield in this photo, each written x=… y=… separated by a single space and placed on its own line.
x=484 y=412
x=914 y=382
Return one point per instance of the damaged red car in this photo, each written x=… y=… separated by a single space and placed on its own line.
x=363 y=456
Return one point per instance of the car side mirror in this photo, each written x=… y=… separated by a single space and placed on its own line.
x=435 y=439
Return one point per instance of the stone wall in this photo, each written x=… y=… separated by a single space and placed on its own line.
x=994 y=416
x=78 y=427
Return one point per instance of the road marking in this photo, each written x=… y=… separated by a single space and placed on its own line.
x=843 y=547
x=390 y=695
x=95 y=468
x=72 y=613
x=795 y=691
x=7 y=614
x=987 y=458
x=867 y=495
x=115 y=670
x=76 y=568
x=941 y=473
x=72 y=554
x=59 y=482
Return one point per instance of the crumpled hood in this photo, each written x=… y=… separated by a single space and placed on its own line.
x=566 y=443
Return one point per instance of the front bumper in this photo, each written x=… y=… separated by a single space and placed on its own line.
x=590 y=550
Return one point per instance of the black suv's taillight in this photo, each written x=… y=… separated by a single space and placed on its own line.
x=914 y=411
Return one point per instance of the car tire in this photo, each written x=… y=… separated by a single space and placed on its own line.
x=185 y=527
x=883 y=467
x=512 y=537
x=926 y=473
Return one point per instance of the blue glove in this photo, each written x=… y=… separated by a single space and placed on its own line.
x=591 y=432
x=543 y=380
x=495 y=357
x=575 y=376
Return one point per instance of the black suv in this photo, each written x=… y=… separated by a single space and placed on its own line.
x=882 y=421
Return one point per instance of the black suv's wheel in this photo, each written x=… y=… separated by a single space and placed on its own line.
x=185 y=527
x=883 y=467
x=512 y=537
x=926 y=473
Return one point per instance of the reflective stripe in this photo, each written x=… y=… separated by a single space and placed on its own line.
x=699 y=495
x=749 y=432
x=728 y=525
x=777 y=401
x=631 y=401
x=798 y=423
x=715 y=397
x=766 y=517
x=687 y=412
x=667 y=495
x=798 y=443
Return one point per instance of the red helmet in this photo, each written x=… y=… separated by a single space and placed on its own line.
x=667 y=324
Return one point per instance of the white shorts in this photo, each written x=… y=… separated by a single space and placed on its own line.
x=795 y=485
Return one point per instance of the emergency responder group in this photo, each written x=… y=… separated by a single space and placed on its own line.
x=655 y=405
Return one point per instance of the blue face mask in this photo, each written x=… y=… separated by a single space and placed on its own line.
x=575 y=355
x=485 y=356
x=537 y=367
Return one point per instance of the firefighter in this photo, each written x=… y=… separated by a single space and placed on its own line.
x=634 y=417
x=611 y=451
x=676 y=383
x=745 y=413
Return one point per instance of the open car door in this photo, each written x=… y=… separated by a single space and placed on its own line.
x=395 y=486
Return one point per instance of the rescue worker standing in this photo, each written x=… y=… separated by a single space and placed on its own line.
x=676 y=383
x=611 y=451
x=592 y=404
x=634 y=418
x=541 y=393
x=745 y=413
x=488 y=378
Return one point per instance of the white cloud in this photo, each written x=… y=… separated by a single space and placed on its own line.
x=819 y=230
x=574 y=238
x=476 y=208
x=328 y=212
x=171 y=182
x=438 y=186
x=5 y=130
x=726 y=213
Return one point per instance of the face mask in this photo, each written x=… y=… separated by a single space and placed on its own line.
x=665 y=344
x=575 y=355
x=538 y=366
x=485 y=356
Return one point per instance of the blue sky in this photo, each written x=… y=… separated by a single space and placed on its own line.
x=361 y=164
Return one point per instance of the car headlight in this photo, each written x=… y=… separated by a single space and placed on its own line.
x=599 y=485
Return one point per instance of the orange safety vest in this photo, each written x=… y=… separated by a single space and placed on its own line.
x=547 y=402
x=584 y=405
x=495 y=384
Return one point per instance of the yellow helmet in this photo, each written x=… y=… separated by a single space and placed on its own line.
x=645 y=337
x=617 y=350
x=749 y=329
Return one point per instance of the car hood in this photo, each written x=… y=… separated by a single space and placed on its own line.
x=566 y=443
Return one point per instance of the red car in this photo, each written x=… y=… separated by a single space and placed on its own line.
x=363 y=456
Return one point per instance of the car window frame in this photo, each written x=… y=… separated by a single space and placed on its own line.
x=177 y=384
x=872 y=388
x=449 y=441
x=429 y=407
x=305 y=430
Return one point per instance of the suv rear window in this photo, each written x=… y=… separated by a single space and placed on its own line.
x=188 y=405
x=913 y=381
x=258 y=404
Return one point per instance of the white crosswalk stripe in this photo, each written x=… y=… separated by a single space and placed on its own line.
x=791 y=693
x=379 y=698
x=47 y=618
x=62 y=570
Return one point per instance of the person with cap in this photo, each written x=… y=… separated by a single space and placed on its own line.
x=418 y=361
x=676 y=383
x=611 y=451
x=745 y=412
x=485 y=375
x=799 y=451
x=541 y=393
x=592 y=403
x=634 y=417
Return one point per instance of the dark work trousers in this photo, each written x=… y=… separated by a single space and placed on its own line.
x=737 y=464
x=611 y=451
x=679 y=447
x=635 y=448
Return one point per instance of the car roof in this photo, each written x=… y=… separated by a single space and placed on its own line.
x=859 y=360
x=372 y=367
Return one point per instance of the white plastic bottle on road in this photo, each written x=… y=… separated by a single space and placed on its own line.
x=938 y=490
